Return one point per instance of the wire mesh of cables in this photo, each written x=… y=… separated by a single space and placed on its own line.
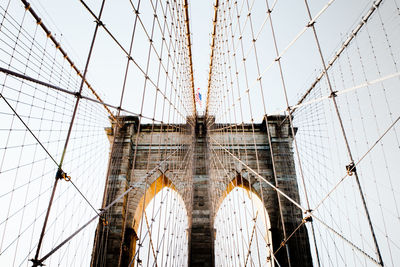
x=54 y=150
x=302 y=133
x=330 y=72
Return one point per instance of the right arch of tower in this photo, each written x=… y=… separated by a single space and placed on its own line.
x=271 y=157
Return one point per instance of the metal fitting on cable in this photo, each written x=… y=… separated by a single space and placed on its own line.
x=307 y=219
x=78 y=95
x=36 y=263
x=62 y=175
x=104 y=221
x=99 y=23
x=310 y=24
x=333 y=94
x=351 y=169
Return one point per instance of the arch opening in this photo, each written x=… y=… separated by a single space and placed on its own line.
x=242 y=236
x=161 y=227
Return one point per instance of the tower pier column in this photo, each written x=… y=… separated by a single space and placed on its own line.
x=201 y=240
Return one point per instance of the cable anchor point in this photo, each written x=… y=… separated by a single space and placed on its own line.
x=351 y=169
x=62 y=175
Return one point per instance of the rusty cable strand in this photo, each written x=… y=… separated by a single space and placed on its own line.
x=189 y=47
x=39 y=21
x=212 y=46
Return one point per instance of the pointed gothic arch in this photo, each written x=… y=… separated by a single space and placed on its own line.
x=160 y=183
x=261 y=218
x=238 y=181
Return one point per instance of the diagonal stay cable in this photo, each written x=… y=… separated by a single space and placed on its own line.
x=131 y=187
x=57 y=88
x=345 y=44
x=182 y=165
x=251 y=240
x=291 y=43
x=306 y=219
x=44 y=148
x=337 y=93
x=28 y=78
x=39 y=21
x=67 y=139
x=357 y=163
x=310 y=213
x=336 y=186
x=30 y=131
x=169 y=33
x=347 y=241
x=140 y=68
x=260 y=176
x=349 y=89
x=290 y=236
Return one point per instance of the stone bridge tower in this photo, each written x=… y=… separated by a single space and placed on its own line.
x=194 y=182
